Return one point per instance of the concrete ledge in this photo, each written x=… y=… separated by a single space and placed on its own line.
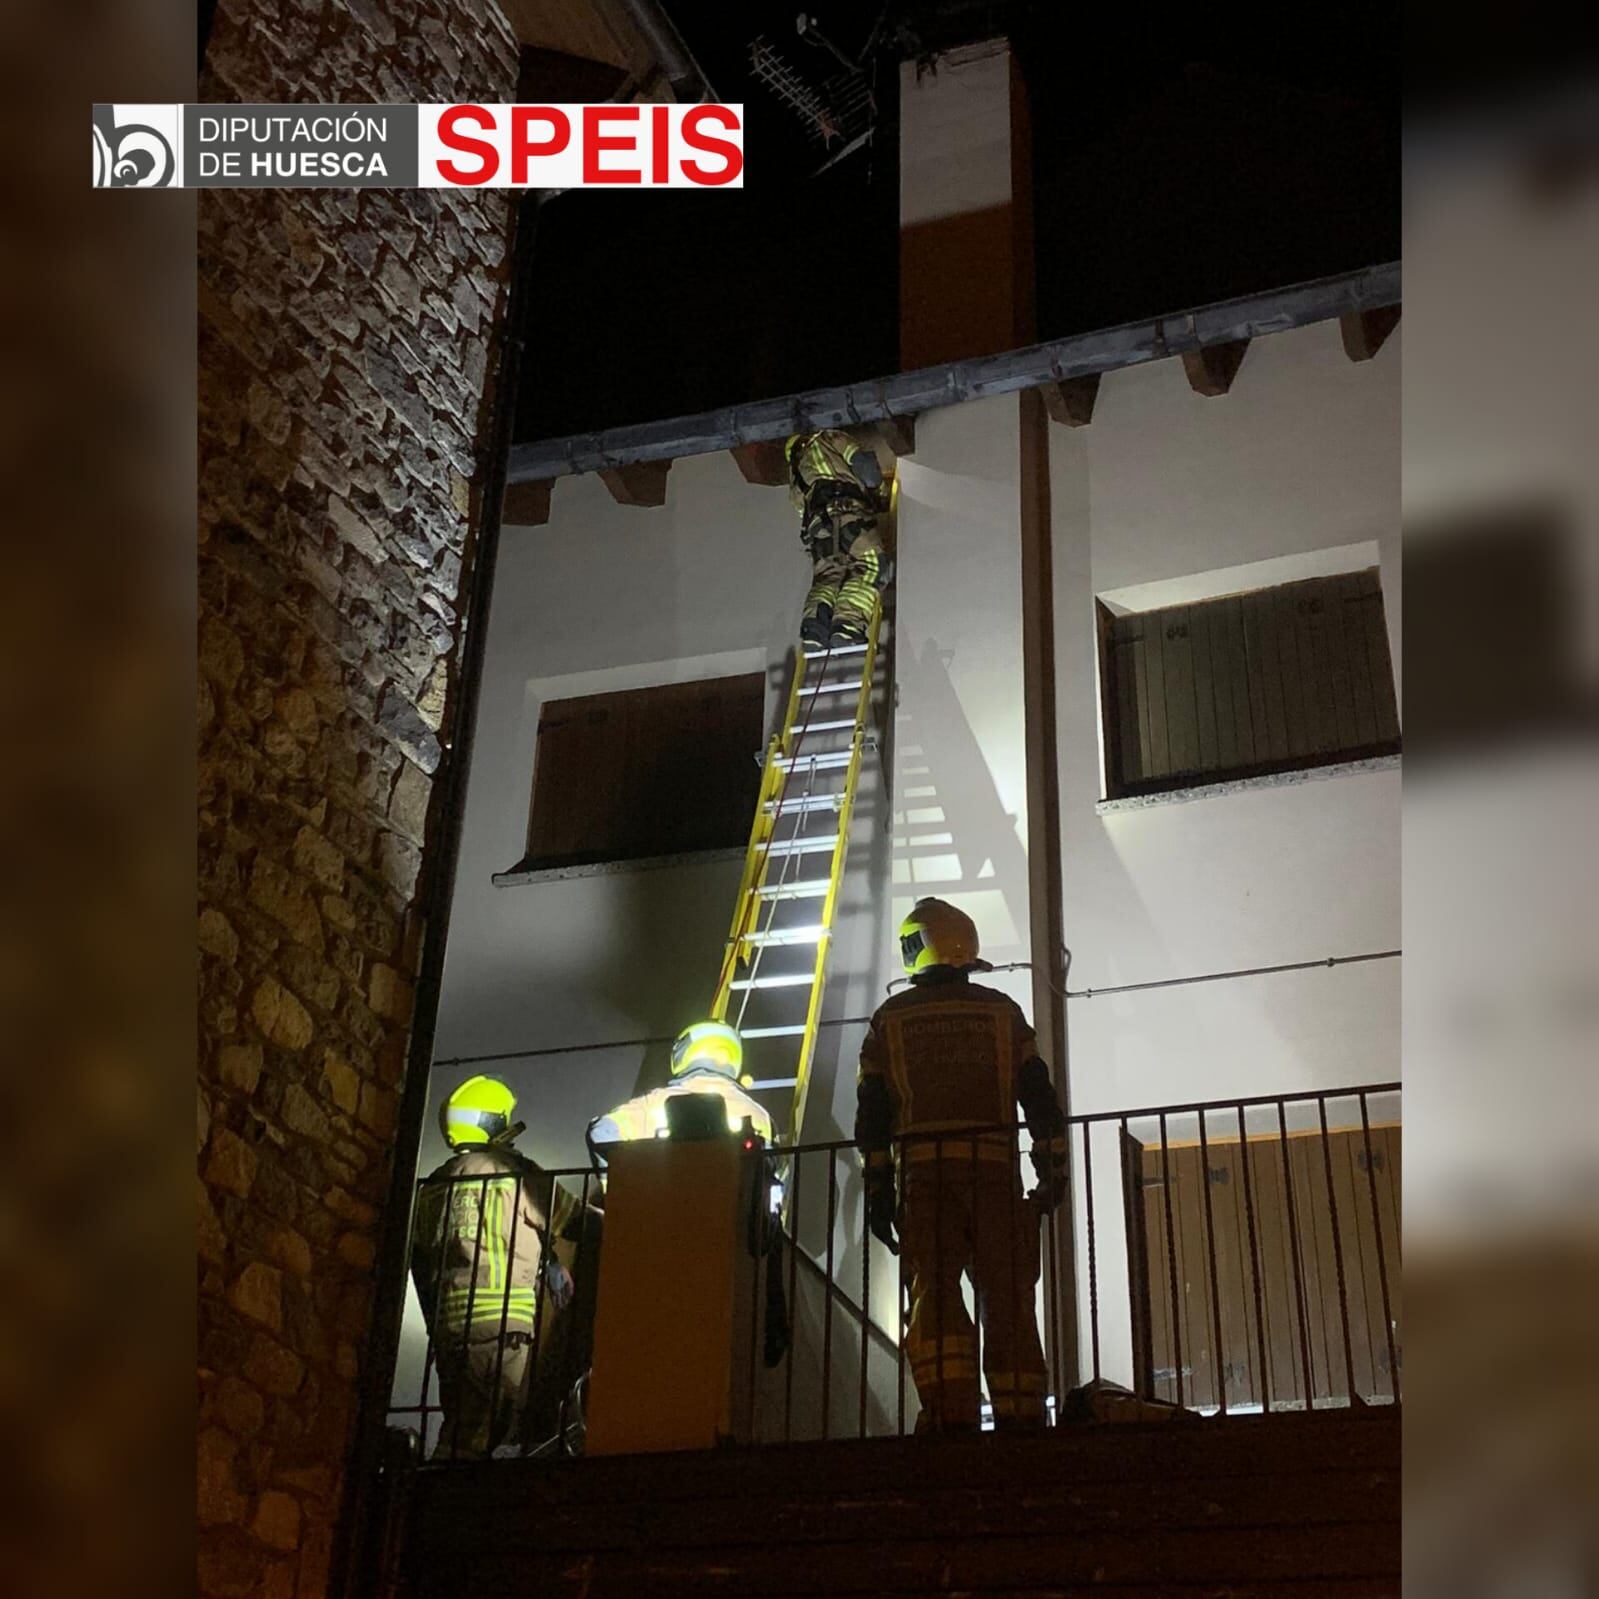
x=1199 y=791
x=560 y=874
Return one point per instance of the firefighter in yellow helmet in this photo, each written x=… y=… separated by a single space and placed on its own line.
x=941 y=1059
x=834 y=483
x=484 y=1263
x=706 y=1059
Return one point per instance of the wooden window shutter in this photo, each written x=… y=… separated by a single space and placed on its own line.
x=1276 y=680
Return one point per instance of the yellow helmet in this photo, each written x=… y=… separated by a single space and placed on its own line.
x=480 y=1109
x=711 y=1045
x=936 y=934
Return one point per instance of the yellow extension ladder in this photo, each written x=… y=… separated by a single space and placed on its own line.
x=775 y=964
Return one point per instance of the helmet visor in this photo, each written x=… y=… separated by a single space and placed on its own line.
x=467 y=1126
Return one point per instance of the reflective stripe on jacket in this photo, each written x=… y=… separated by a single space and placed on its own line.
x=828 y=458
x=481 y=1223
x=645 y=1115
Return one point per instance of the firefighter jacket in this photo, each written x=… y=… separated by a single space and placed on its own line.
x=828 y=458
x=645 y=1115
x=832 y=482
x=944 y=1056
x=484 y=1220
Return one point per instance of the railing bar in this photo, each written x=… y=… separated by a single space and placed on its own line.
x=1299 y=1275
x=978 y=1340
x=577 y=1272
x=1171 y=1262
x=1217 y=1363
x=793 y=1303
x=758 y=1237
x=827 y=1297
x=1013 y=1186
x=932 y=1291
x=471 y=1300
x=1135 y=1213
x=1093 y=1259
x=1338 y=1251
x=445 y=1211
x=1254 y=1262
x=505 y=1313
x=1055 y=1354
x=866 y=1315
x=900 y=1308
x=539 y=1289
x=1382 y=1254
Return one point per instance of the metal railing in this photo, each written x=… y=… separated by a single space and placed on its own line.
x=1225 y=1256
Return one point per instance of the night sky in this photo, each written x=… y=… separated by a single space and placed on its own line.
x=1175 y=163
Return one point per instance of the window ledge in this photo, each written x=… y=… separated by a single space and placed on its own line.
x=560 y=874
x=1239 y=785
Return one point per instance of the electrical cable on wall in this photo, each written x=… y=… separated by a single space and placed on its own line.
x=1012 y=966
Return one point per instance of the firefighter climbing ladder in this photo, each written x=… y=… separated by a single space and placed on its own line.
x=775 y=966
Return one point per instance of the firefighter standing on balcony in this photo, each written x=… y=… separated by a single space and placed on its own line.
x=486 y=1223
x=946 y=1056
x=834 y=484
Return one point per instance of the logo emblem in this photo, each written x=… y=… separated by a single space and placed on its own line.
x=136 y=146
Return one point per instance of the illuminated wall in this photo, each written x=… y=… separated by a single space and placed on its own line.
x=1297 y=466
x=1299 y=459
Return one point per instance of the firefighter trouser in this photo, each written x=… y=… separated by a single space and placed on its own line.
x=849 y=571
x=483 y=1394
x=970 y=1217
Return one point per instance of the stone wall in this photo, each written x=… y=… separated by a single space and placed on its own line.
x=344 y=351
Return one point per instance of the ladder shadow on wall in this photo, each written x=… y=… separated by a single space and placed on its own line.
x=938 y=827
x=953 y=836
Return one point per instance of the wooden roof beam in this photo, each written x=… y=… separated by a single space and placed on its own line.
x=526 y=504
x=897 y=434
x=643 y=483
x=1365 y=332
x=1071 y=401
x=762 y=462
x=1212 y=368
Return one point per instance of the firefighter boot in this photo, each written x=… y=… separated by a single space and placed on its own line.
x=815 y=630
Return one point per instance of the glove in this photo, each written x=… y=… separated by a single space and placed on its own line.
x=558 y=1283
x=1051 y=1173
x=880 y=1213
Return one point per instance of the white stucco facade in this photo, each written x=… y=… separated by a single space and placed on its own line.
x=1295 y=470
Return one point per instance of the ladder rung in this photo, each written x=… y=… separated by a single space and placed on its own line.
x=848 y=686
x=837 y=653
x=790 y=980
x=847 y=725
x=804 y=802
x=773 y=1082
x=786 y=935
x=810 y=888
x=772 y=1032
x=805 y=846
x=828 y=762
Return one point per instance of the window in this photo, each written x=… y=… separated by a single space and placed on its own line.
x=646 y=773
x=1298 y=1233
x=1277 y=680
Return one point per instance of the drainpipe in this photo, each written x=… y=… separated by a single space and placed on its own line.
x=689 y=84
x=1044 y=836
